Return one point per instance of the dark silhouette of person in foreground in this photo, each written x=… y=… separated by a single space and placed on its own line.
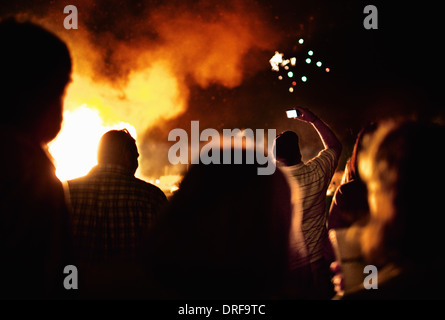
x=112 y=212
x=312 y=178
x=35 y=239
x=224 y=236
x=350 y=202
x=404 y=235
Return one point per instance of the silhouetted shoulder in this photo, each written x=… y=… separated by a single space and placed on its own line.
x=77 y=181
x=150 y=188
x=349 y=204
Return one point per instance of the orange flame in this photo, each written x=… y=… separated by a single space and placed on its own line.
x=143 y=80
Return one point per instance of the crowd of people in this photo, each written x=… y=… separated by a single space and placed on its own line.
x=250 y=236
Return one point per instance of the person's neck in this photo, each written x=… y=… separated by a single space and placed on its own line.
x=125 y=168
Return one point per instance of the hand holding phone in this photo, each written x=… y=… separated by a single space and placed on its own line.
x=302 y=114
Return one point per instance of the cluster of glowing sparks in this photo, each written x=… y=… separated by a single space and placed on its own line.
x=289 y=65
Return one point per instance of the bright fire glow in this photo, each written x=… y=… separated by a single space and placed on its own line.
x=143 y=81
x=75 y=148
x=92 y=108
x=168 y=184
x=276 y=61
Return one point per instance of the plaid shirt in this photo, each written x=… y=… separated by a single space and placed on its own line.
x=112 y=210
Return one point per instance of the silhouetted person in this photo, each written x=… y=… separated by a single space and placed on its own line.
x=224 y=235
x=34 y=229
x=404 y=174
x=313 y=178
x=350 y=202
x=113 y=210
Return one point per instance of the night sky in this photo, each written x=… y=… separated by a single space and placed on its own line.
x=394 y=70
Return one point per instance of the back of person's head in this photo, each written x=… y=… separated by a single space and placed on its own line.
x=224 y=235
x=118 y=147
x=287 y=148
x=35 y=69
x=404 y=173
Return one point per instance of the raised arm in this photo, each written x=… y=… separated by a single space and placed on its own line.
x=327 y=136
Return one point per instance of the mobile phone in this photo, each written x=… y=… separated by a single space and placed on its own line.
x=292 y=113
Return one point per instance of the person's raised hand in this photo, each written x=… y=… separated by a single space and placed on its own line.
x=305 y=115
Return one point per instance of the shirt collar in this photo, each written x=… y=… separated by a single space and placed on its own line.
x=111 y=168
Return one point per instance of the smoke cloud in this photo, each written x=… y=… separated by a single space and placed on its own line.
x=135 y=62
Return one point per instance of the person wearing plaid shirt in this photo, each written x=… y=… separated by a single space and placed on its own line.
x=112 y=209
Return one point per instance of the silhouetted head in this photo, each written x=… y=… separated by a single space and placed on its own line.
x=35 y=70
x=404 y=173
x=287 y=148
x=225 y=234
x=118 y=147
